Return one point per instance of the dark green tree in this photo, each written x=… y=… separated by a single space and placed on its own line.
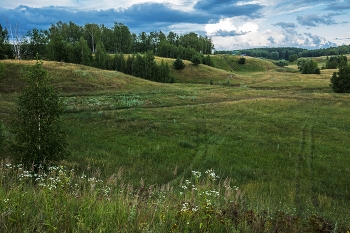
x=57 y=49
x=164 y=73
x=178 y=64
x=150 y=66
x=119 y=62
x=84 y=52
x=208 y=61
x=196 y=59
x=308 y=66
x=293 y=57
x=5 y=47
x=281 y=63
x=37 y=128
x=334 y=62
x=38 y=40
x=100 y=56
x=241 y=61
x=340 y=81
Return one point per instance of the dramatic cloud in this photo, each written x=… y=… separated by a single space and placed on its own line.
x=232 y=24
x=231 y=8
x=315 y=20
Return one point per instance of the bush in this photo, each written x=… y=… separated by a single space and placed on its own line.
x=293 y=57
x=241 y=61
x=196 y=59
x=281 y=63
x=308 y=66
x=340 y=81
x=207 y=61
x=178 y=64
x=336 y=61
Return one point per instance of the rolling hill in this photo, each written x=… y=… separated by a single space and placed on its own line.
x=281 y=136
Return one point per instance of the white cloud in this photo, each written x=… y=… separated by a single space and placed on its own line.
x=226 y=24
x=238 y=25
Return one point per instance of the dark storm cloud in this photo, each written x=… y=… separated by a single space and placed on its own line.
x=228 y=8
x=145 y=16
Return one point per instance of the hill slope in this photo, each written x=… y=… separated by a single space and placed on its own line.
x=281 y=136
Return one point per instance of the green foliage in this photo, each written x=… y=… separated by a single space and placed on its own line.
x=57 y=49
x=2 y=70
x=100 y=59
x=178 y=64
x=81 y=201
x=308 y=66
x=242 y=60
x=293 y=57
x=164 y=73
x=334 y=62
x=340 y=81
x=281 y=63
x=196 y=59
x=208 y=61
x=2 y=135
x=38 y=134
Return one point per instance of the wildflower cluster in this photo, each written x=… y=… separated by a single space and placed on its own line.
x=211 y=174
x=56 y=178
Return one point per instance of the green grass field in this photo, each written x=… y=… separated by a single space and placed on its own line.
x=281 y=136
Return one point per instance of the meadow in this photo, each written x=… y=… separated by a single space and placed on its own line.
x=276 y=140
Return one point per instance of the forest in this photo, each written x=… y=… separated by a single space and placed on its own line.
x=285 y=52
x=102 y=47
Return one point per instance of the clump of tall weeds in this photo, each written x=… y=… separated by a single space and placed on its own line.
x=58 y=199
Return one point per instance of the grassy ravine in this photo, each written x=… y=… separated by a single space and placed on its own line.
x=280 y=136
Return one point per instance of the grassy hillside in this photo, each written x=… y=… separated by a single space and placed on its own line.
x=230 y=63
x=282 y=137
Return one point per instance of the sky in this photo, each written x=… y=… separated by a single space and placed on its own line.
x=231 y=24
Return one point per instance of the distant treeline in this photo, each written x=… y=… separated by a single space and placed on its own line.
x=285 y=52
x=56 y=42
x=92 y=45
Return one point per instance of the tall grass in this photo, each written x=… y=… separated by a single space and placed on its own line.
x=61 y=200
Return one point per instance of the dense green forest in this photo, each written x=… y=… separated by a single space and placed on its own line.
x=102 y=47
x=286 y=52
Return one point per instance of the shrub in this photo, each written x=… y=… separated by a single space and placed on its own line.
x=281 y=63
x=178 y=64
x=308 y=66
x=340 y=81
x=196 y=59
x=208 y=61
x=293 y=57
x=336 y=61
x=241 y=61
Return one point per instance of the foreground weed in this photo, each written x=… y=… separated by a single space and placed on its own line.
x=57 y=199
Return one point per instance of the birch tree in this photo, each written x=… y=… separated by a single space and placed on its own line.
x=39 y=138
